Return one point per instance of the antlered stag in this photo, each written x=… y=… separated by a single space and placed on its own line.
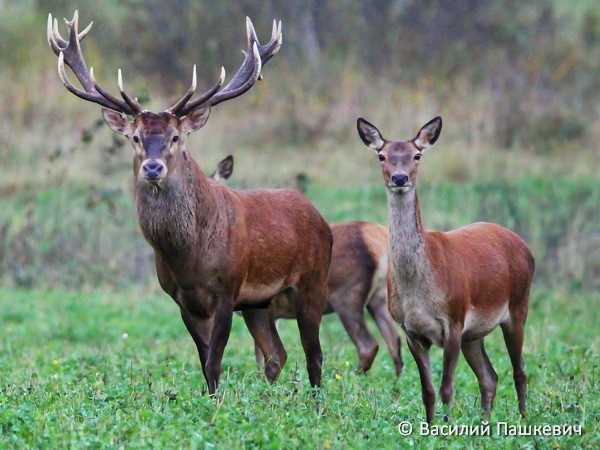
x=217 y=249
x=450 y=289
x=357 y=279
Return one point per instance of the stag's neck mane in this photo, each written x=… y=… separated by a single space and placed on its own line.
x=178 y=215
x=407 y=236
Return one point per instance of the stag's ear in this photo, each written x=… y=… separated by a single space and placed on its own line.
x=224 y=169
x=117 y=122
x=369 y=134
x=430 y=133
x=195 y=120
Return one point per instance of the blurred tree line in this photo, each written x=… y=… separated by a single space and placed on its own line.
x=539 y=59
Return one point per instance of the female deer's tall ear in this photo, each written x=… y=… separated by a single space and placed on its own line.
x=369 y=134
x=195 y=120
x=117 y=122
x=429 y=133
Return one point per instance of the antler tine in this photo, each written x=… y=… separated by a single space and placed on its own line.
x=255 y=56
x=175 y=107
x=85 y=95
x=69 y=53
x=131 y=102
x=243 y=79
x=186 y=109
x=271 y=48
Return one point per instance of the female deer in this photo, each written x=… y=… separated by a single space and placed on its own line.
x=450 y=288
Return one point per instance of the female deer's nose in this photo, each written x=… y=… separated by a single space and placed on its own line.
x=399 y=180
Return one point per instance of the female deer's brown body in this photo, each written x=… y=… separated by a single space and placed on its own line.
x=216 y=249
x=450 y=289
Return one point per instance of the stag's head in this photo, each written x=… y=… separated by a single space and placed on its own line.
x=400 y=159
x=158 y=139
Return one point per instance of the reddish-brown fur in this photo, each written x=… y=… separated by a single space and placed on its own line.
x=357 y=279
x=450 y=289
x=216 y=249
x=219 y=249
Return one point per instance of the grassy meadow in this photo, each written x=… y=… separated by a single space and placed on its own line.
x=94 y=355
x=118 y=370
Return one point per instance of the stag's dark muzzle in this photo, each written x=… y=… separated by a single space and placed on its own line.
x=154 y=169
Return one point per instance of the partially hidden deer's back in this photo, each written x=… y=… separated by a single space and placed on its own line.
x=358 y=262
x=359 y=257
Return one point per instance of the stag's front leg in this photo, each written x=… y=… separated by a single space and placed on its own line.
x=200 y=330
x=451 y=353
x=221 y=327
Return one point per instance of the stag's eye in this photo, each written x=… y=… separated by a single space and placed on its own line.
x=417 y=156
x=136 y=139
x=175 y=138
x=381 y=157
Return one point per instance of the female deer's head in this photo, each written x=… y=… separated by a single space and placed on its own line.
x=400 y=159
x=157 y=138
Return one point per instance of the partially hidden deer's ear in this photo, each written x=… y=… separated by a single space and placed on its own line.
x=429 y=133
x=117 y=122
x=369 y=134
x=224 y=169
x=195 y=120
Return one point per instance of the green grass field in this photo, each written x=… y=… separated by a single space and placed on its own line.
x=93 y=355
x=106 y=370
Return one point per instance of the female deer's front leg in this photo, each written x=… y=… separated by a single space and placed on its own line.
x=221 y=327
x=451 y=352
x=420 y=351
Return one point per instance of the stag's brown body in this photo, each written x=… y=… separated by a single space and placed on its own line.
x=357 y=280
x=216 y=249
x=450 y=289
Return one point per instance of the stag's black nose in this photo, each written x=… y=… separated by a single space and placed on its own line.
x=152 y=169
x=399 y=180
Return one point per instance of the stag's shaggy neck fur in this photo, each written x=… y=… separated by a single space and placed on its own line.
x=177 y=215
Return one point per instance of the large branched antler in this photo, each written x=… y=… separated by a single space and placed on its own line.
x=69 y=52
x=256 y=56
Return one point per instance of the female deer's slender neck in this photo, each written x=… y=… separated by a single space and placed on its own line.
x=174 y=217
x=407 y=239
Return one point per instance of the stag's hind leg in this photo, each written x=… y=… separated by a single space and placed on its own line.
x=310 y=300
x=477 y=358
x=513 y=332
x=267 y=341
x=378 y=309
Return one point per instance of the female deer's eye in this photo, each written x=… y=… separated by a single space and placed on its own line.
x=175 y=138
x=417 y=156
x=381 y=157
x=136 y=139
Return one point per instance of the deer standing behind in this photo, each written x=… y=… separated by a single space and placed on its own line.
x=450 y=288
x=357 y=279
x=217 y=249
